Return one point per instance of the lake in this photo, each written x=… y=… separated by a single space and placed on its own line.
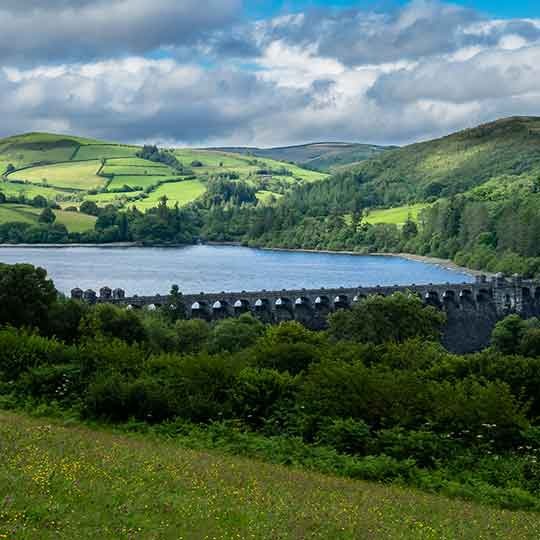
x=147 y=271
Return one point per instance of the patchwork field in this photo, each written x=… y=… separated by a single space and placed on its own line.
x=79 y=176
x=62 y=483
x=74 y=221
x=69 y=170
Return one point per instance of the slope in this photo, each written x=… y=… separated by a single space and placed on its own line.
x=323 y=156
x=69 y=170
x=72 y=482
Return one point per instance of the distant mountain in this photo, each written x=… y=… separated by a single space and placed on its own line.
x=323 y=156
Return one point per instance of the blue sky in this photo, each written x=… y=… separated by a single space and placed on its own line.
x=496 y=8
x=234 y=73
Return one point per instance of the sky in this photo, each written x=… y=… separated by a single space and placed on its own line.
x=266 y=72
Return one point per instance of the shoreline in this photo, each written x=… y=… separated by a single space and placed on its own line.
x=443 y=263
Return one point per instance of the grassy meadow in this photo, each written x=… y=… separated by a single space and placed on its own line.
x=70 y=482
x=396 y=216
x=77 y=175
x=176 y=192
x=74 y=221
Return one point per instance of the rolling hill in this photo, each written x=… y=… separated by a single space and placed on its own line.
x=69 y=170
x=322 y=156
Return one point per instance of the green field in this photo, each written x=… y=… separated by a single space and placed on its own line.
x=396 y=216
x=178 y=192
x=64 y=169
x=111 y=168
x=119 y=199
x=66 y=483
x=99 y=151
x=79 y=176
x=33 y=190
x=74 y=221
x=139 y=181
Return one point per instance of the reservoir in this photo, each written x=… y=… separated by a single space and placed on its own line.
x=203 y=268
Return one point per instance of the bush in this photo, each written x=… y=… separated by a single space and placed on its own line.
x=346 y=435
x=379 y=319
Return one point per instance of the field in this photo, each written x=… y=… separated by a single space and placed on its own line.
x=78 y=176
x=99 y=151
x=397 y=216
x=177 y=192
x=64 y=169
x=119 y=199
x=74 y=221
x=59 y=482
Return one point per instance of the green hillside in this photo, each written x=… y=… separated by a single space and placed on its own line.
x=74 y=221
x=70 y=170
x=324 y=156
x=472 y=196
x=71 y=482
x=504 y=151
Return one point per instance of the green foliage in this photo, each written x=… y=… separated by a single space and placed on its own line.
x=26 y=295
x=47 y=216
x=235 y=334
x=377 y=319
x=113 y=322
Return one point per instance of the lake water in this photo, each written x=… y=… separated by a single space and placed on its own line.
x=148 y=271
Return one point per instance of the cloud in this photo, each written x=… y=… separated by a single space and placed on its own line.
x=492 y=74
x=387 y=77
x=138 y=99
x=61 y=30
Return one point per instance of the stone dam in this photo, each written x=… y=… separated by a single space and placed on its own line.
x=472 y=309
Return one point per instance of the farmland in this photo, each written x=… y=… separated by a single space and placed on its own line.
x=74 y=221
x=73 y=482
x=77 y=176
x=69 y=170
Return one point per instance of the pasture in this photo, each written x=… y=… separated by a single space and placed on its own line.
x=396 y=216
x=65 y=169
x=76 y=175
x=74 y=221
x=64 y=482
x=177 y=192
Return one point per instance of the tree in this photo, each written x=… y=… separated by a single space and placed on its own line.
x=47 y=216
x=410 y=229
x=508 y=333
x=176 y=310
x=39 y=201
x=395 y=318
x=26 y=295
x=90 y=208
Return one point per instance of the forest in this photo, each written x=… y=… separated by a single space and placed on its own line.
x=374 y=397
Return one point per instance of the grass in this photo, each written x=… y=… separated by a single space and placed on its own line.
x=103 y=199
x=266 y=196
x=32 y=190
x=74 y=221
x=99 y=151
x=178 y=192
x=63 y=169
x=60 y=482
x=139 y=181
x=80 y=176
x=149 y=169
x=396 y=216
